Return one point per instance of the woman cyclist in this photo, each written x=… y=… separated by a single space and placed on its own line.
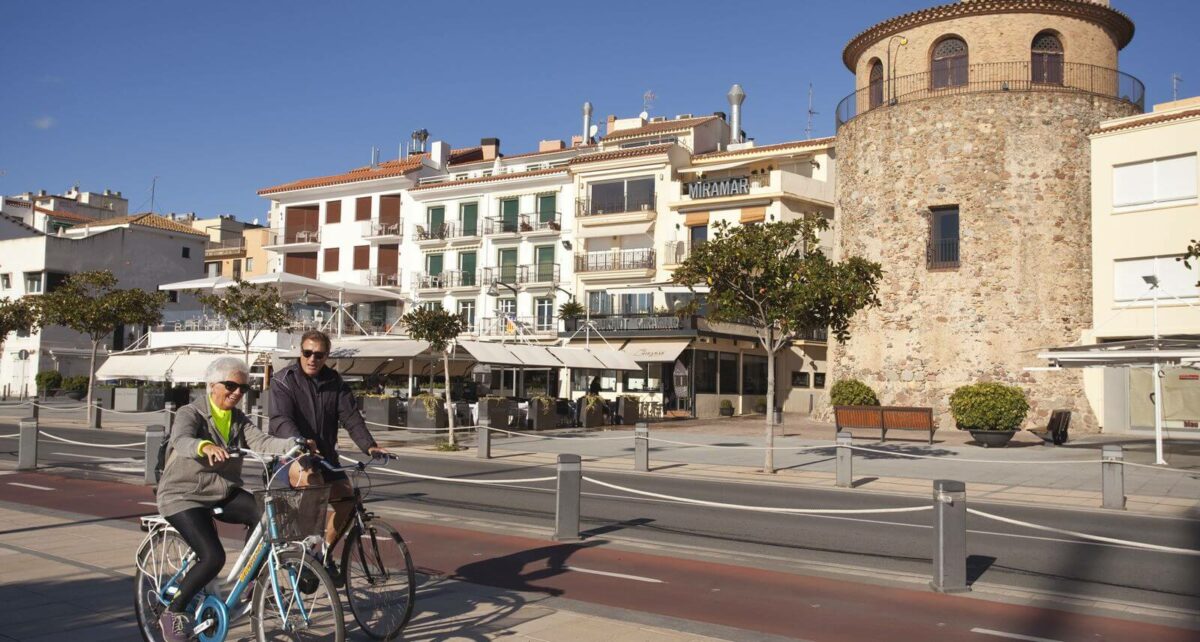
x=199 y=476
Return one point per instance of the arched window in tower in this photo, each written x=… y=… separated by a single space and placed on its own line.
x=1047 y=59
x=948 y=65
x=876 y=84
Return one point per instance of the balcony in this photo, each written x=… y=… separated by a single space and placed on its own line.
x=633 y=323
x=676 y=252
x=436 y=234
x=592 y=207
x=228 y=247
x=494 y=225
x=427 y=281
x=539 y=274
x=459 y=279
x=500 y=274
x=379 y=232
x=290 y=240
x=507 y=326
x=615 y=260
x=996 y=77
x=941 y=254
x=384 y=280
x=544 y=223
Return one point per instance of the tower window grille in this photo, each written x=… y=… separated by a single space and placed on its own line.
x=948 y=65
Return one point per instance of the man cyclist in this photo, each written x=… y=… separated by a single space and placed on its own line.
x=310 y=400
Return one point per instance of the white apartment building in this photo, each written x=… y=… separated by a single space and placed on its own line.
x=51 y=213
x=1145 y=211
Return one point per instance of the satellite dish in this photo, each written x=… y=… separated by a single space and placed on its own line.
x=592 y=131
x=645 y=115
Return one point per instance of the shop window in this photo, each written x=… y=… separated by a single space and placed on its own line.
x=729 y=373
x=799 y=379
x=649 y=380
x=581 y=380
x=706 y=372
x=754 y=375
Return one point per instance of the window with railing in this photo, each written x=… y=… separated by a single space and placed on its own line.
x=612 y=197
x=639 y=259
x=943 y=238
x=1046 y=59
x=948 y=64
x=875 y=82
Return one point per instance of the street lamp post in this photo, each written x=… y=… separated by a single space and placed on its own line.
x=891 y=70
x=1152 y=281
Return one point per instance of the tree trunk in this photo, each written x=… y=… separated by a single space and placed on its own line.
x=769 y=456
x=91 y=381
x=449 y=406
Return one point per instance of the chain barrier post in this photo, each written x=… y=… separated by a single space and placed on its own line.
x=566 y=509
x=155 y=433
x=641 y=447
x=96 y=423
x=36 y=409
x=845 y=460
x=28 y=444
x=256 y=412
x=483 y=437
x=949 y=536
x=1112 y=476
x=169 y=411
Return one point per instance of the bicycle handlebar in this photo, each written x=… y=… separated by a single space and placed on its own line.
x=375 y=460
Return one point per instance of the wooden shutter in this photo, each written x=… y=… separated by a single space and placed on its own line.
x=331 y=259
x=362 y=208
x=754 y=214
x=362 y=257
x=389 y=259
x=389 y=209
x=333 y=212
x=692 y=219
x=301 y=264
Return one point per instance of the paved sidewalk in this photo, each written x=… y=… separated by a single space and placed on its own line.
x=69 y=577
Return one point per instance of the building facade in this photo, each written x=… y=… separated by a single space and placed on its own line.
x=1144 y=212
x=963 y=170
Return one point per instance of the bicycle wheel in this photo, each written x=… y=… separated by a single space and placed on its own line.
x=380 y=582
x=296 y=614
x=158 y=560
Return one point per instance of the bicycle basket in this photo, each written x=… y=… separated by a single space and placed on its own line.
x=298 y=512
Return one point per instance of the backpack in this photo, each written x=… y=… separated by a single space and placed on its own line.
x=160 y=459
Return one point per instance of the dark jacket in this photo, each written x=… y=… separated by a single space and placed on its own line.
x=312 y=408
x=187 y=479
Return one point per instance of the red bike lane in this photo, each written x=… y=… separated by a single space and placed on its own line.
x=778 y=603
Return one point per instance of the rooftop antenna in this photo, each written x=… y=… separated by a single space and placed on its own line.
x=1176 y=80
x=811 y=113
x=153 y=190
x=647 y=102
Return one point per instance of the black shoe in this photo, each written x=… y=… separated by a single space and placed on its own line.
x=339 y=580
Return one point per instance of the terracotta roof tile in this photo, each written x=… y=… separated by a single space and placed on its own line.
x=488 y=179
x=812 y=142
x=66 y=216
x=386 y=169
x=621 y=153
x=1148 y=119
x=146 y=219
x=660 y=127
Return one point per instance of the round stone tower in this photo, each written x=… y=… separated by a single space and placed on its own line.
x=963 y=168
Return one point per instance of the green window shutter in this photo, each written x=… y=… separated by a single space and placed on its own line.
x=437 y=217
x=433 y=264
x=544 y=259
x=509 y=209
x=470 y=219
x=508 y=265
x=466 y=263
x=547 y=207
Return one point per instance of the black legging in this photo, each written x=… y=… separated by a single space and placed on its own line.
x=198 y=530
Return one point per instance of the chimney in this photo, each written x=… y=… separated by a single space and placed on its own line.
x=587 y=122
x=722 y=115
x=439 y=156
x=491 y=148
x=576 y=141
x=736 y=97
x=418 y=141
x=612 y=120
x=551 y=145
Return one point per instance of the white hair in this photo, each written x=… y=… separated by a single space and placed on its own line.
x=224 y=367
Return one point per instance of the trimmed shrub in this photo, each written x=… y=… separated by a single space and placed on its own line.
x=48 y=380
x=988 y=406
x=75 y=384
x=852 y=392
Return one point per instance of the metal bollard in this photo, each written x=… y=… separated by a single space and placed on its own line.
x=566 y=508
x=169 y=415
x=1112 y=477
x=27 y=445
x=35 y=408
x=641 y=447
x=483 y=438
x=256 y=414
x=96 y=423
x=949 y=536
x=155 y=433
x=845 y=460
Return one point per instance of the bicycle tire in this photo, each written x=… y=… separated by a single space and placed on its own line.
x=381 y=583
x=323 y=605
x=162 y=555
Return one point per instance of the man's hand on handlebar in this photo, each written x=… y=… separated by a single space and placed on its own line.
x=382 y=453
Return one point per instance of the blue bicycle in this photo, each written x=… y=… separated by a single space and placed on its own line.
x=275 y=580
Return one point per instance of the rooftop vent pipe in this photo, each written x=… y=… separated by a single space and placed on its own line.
x=736 y=97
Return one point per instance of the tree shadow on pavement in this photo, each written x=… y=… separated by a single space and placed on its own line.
x=450 y=610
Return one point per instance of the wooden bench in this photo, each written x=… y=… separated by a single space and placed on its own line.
x=1056 y=429
x=884 y=418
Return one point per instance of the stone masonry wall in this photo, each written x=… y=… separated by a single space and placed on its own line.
x=1017 y=166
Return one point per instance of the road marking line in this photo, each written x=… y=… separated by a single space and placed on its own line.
x=112 y=459
x=1012 y=636
x=148 y=503
x=637 y=578
x=29 y=486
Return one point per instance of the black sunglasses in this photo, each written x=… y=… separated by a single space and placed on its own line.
x=230 y=386
x=313 y=354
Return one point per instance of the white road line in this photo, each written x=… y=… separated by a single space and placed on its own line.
x=1012 y=636
x=148 y=503
x=112 y=459
x=623 y=576
x=29 y=486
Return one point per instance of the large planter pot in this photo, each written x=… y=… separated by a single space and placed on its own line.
x=726 y=411
x=383 y=413
x=496 y=411
x=127 y=399
x=593 y=416
x=992 y=438
x=628 y=411
x=542 y=414
x=418 y=418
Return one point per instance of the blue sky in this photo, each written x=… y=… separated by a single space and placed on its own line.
x=219 y=99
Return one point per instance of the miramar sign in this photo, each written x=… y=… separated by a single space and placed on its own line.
x=712 y=188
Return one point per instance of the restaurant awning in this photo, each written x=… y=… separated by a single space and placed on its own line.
x=615 y=230
x=206 y=283
x=655 y=350
x=190 y=368
x=534 y=356
x=387 y=348
x=577 y=358
x=614 y=359
x=491 y=353
x=143 y=367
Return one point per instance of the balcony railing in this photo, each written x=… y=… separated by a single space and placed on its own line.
x=386 y=229
x=499 y=274
x=385 y=280
x=545 y=221
x=427 y=281
x=593 y=207
x=294 y=237
x=633 y=322
x=996 y=77
x=539 y=273
x=676 y=252
x=615 y=260
x=436 y=233
x=459 y=279
x=511 y=326
x=942 y=253
x=502 y=225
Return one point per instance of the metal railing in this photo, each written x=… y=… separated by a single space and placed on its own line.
x=538 y=273
x=436 y=233
x=459 y=279
x=634 y=322
x=510 y=326
x=502 y=274
x=427 y=281
x=593 y=207
x=543 y=221
x=386 y=229
x=228 y=246
x=942 y=253
x=676 y=252
x=996 y=77
x=502 y=225
x=384 y=280
x=294 y=236
x=615 y=260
